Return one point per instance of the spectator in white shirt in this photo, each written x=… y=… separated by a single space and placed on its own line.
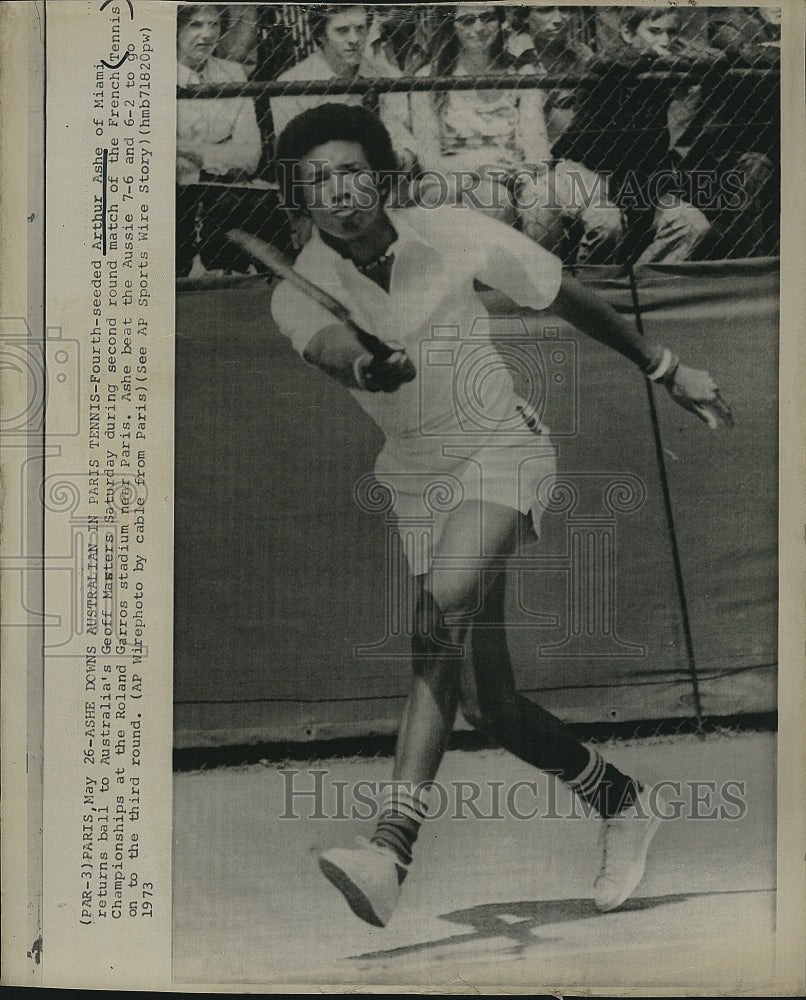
x=342 y=53
x=214 y=136
x=218 y=150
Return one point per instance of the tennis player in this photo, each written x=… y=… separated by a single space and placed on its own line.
x=402 y=273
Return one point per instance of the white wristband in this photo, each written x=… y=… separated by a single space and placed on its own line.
x=665 y=363
x=358 y=370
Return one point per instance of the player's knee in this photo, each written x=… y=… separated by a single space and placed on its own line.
x=454 y=596
x=431 y=633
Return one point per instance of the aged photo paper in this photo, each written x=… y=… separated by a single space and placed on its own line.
x=401 y=567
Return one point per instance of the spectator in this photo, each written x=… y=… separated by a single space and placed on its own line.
x=622 y=125
x=458 y=129
x=340 y=33
x=399 y=34
x=240 y=35
x=276 y=48
x=736 y=135
x=275 y=53
x=215 y=136
x=218 y=147
x=499 y=139
x=546 y=40
x=514 y=42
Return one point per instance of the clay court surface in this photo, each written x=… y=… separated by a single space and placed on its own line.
x=498 y=902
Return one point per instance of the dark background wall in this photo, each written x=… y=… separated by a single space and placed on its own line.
x=279 y=572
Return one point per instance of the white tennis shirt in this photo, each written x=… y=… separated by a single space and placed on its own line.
x=433 y=309
x=459 y=426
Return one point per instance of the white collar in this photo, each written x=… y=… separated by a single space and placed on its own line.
x=319 y=256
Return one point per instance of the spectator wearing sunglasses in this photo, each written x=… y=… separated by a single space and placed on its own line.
x=499 y=140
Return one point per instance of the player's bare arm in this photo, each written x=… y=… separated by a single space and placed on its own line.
x=334 y=349
x=691 y=388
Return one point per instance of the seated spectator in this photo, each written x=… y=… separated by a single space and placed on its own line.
x=284 y=39
x=265 y=35
x=622 y=126
x=340 y=32
x=217 y=137
x=399 y=34
x=240 y=35
x=545 y=39
x=498 y=138
x=459 y=129
x=514 y=42
x=736 y=135
x=218 y=149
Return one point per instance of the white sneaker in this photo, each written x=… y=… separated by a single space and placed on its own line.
x=368 y=876
x=625 y=840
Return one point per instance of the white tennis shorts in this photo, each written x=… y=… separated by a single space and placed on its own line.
x=431 y=477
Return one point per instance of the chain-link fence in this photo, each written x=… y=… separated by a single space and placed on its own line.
x=617 y=135
x=611 y=136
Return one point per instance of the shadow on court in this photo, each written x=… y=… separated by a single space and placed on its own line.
x=487 y=903
x=519 y=922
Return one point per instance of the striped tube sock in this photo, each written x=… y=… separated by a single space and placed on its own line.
x=402 y=813
x=604 y=786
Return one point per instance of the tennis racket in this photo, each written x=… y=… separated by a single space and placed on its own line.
x=279 y=264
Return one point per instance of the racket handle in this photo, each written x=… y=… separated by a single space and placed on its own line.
x=379 y=350
x=277 y=262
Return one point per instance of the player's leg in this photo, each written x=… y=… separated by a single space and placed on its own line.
x=491 y=703
x=430 y=710
x=474 y=534
x=369 y=876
